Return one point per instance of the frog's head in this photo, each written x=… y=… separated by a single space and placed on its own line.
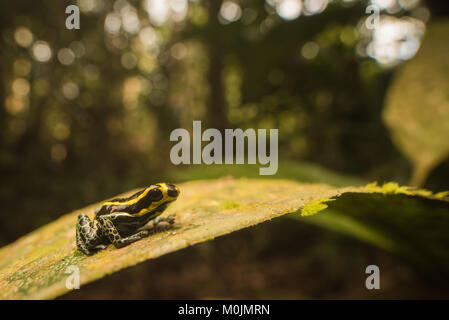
x=154 y=198
x=170 y=192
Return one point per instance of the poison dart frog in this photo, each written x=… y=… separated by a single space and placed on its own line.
x=117 y=221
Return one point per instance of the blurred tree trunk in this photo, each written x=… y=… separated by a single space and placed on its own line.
x=216 y=115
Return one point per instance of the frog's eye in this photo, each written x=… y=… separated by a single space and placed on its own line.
x=155 y=194
x=172 y=190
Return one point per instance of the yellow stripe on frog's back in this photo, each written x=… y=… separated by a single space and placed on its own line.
x=163 y=189
x=153 y=206
x=129 y=202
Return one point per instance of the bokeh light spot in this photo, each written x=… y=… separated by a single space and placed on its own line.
x=158 y=11
x=23 y=37
x=128 y=60
x=20 y=86
x=289 y=9
x=130 y=20
x=22 y=67
x=312 y=7
x=310 y=50
x=66 y=56
x=70 y=90
x=178 y=51
x=148 y=37
x=230 y=11
x=41 y=51
x=61 y=131
x=112 y=23
x=78 y=48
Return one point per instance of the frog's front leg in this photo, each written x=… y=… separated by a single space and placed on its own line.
x=111 y=232
x=88 y=235
x=170 y=219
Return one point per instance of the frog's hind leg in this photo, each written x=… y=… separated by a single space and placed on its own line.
x=87 y=235
x=111 y=232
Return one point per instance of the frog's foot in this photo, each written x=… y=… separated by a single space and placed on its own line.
x=155 y=227
x=170 y=219
x=86 y=235
x=101 y=247
x=122 y=242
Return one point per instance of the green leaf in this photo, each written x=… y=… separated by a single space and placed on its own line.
x=34 y=266
x=417 y=105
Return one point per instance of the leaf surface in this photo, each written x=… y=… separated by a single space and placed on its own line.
x=34 y=267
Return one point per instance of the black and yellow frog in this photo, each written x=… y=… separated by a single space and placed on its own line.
x=117 y=221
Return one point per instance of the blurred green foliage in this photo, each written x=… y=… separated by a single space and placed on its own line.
x=417 y=105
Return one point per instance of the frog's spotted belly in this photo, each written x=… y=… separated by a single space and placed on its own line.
x=117 y=221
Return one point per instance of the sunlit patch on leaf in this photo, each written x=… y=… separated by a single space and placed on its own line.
x=313 y=207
